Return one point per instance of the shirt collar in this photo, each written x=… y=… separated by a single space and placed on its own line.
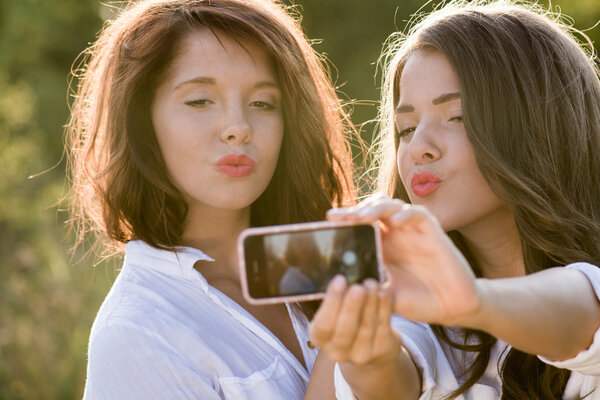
x=179 y=261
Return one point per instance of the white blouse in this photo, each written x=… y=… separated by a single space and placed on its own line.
x=164 y=333
x=440 y=365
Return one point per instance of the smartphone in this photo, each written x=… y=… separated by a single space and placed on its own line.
x=296 y=262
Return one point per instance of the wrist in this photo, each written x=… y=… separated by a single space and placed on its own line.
x=394 y=378
x=475 y=314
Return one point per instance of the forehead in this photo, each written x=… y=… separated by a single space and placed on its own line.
x=209 y=51
x=427 y=72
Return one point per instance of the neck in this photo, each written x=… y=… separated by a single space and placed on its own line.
x=215 y=232
x=496 y=246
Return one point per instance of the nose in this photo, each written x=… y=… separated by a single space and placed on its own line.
x=236 y=129
x=423 y=146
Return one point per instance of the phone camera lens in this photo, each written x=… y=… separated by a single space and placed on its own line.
x=349 y=257
x=367 y=256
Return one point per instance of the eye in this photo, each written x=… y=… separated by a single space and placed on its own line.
x=400 y=133
x=458 y=118
x=198 y=103
x=263 y=105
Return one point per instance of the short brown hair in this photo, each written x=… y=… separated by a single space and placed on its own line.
x=120 y=185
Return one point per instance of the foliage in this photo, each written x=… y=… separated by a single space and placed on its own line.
x=48 y=301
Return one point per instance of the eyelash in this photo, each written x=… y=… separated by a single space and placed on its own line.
x=405 y=132
x=262 y=105
x=197 y=103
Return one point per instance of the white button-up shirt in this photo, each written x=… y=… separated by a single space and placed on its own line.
x=164 y=333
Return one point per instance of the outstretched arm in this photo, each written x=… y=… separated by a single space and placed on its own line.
x=553 y=313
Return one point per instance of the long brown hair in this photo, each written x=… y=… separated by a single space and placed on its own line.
x=120 y=187
x=531 y=107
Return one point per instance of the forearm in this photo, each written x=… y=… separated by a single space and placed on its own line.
x=399 y=379
x=320 y=385
x=553 y=313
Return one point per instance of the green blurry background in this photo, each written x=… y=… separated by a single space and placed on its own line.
x=47 y=300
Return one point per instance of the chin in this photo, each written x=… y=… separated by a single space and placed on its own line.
x=233 y=205
x=235 y=202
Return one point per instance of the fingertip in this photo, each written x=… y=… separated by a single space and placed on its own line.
x=370 y=285
x=357 y=292
x=337 y=284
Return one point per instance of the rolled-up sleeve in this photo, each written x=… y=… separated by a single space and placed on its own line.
x=587 y=361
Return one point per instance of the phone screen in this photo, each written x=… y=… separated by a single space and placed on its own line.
x=300 y=262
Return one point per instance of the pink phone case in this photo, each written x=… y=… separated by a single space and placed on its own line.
x=307 y=226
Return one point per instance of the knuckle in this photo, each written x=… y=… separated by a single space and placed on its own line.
x=337 y=355
x=361 y=358
x=343 y=341
x=319 y=334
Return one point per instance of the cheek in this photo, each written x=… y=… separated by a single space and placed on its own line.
x=168 y=135
x=273 y=138
x=484 y=193
x=277 y=134
x=267 y=127
x=402 y=164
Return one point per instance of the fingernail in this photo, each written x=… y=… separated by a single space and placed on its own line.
x=338 y=282
x=370 y=284
x=357 y=292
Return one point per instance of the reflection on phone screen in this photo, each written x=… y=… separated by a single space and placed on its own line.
x=292 y=263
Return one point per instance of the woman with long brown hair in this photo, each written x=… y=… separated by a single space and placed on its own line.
x=194 y=119
x=491 y=146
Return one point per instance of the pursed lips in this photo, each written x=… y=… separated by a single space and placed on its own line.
x=424 y=183
x=235 y=165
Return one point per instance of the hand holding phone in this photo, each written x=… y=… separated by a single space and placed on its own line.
x=296 y=262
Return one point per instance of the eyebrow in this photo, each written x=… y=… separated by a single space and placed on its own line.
x=202 y=80
x=445 y=98
x=199 y=80
x=437 y=101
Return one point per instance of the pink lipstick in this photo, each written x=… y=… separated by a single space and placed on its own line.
x=424 y=183
x=235 y=165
